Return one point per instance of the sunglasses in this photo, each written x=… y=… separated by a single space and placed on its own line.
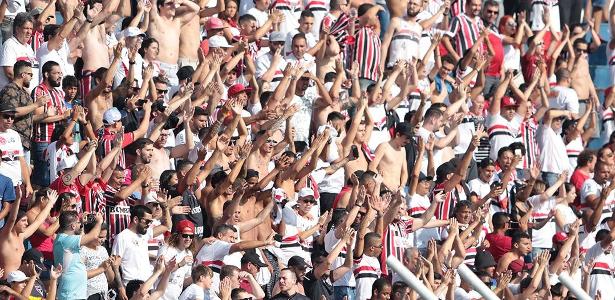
x=307 y=201
x=147 y=222
x=187 y=236
x=155 y=204
x=249 y=298
x=8 y=116
x=273 y=142
x=232 y=142
x=493 y=12
x=161 y=91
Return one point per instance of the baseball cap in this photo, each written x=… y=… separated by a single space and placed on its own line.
x=35 y=11
x=112 y=115
x=423 y=177
x=132 y=32
x=277 y=36
x=252 y=257
x=217 y=41
x=16 y=276
x=484 y=260
x=7 y=108
x=185 y=72
x=185 y=226
x=214 y=23
x=237 y=88
x=306 y=192
x=559 y=237
x=508 y=101
x=298 y=261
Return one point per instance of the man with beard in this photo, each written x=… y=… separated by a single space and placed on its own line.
x=51 y=115
x=464 y=30
x=131 y=245
x=16 y=94
x=73 y=282
x=403 y=34
x=100 y=99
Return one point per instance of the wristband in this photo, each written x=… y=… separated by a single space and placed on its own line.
x=131 y=62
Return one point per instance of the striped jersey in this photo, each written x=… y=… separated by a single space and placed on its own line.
x=43 y=131
x=528 y=139
x=366 y=271
x=36 y=41
x=105 y=144
x=117 y=212
x=396 y=240
x=465 y=30
x=367 y=53
x=445 y=209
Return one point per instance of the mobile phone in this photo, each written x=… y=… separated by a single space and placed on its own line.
x=90 y=218
x=496 y=184
x=355 y=151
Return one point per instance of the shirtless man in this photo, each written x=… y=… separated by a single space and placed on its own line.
x=100 y=99
x=165 y=26
x=190 y=36
x=95 y=53
x=388 y=156
x=162 y=157
x=16 y=230
x=580 y=74
x=521 y=246
x=220 y=190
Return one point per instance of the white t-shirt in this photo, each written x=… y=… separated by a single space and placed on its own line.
x=565 y=98
x=330 y=243
x=553 y=156
x=367 y=269
x=437 y=153
x=479 y=187
x=260 y=16
x=132 y=248
x=591 y=187
x=542 y=238
x=418 y=205
x=501 y=132
x=12 y=150
x=65 y=156
x=310 y=40
x=538 y=6
x=44 y=54
x=177 y=277
x=12 y=51
x=193 y=292
x=213 y=256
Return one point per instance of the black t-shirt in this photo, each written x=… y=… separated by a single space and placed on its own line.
x=284 y=296
x=316 y=288
x=196 y=214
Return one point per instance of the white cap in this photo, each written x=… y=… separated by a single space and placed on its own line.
x=132 y=31
x=111 y=116
x=277 y=36
x=16 y=276
x=306 y=192
x=218 y=41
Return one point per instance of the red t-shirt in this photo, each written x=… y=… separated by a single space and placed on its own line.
x=577 y=179
x=495 y=65
x=498 y=245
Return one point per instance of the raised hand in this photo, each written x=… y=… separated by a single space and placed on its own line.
x=245 y=150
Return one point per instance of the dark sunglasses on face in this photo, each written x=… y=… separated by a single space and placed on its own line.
x=581 y=50
x=8 y=116
x=187 y=236
x=161 y=91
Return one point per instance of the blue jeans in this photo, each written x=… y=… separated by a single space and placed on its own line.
x=550 y=178
x=385 y=19
x=340 y=291
x=40 y=173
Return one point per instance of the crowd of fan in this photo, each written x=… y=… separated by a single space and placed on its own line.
x=284 y=149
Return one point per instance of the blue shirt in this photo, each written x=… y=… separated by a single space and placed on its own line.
x=7 y=193
x=74 y=279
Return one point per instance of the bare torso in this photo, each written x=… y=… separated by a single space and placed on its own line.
x=360 y=163
x=190 y=39
x=580 y=77
x=95 y=51
x=390 y=166
x=160 y=161
x=249 y=210
x=259 y=162
x=167 y=33
x=97 y=108
x=11 y=251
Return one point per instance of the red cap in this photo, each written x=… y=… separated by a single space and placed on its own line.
x=185 y=226
x=508 y=101
x=559 y=237
x=214 y=23
x=237 y=88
